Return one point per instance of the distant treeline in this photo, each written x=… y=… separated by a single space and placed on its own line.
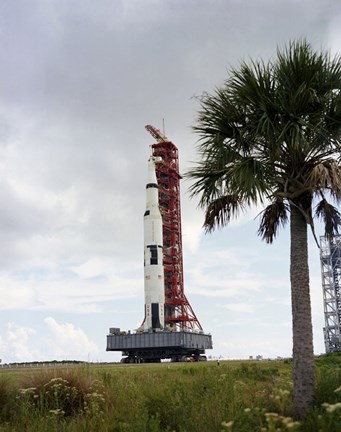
x=45 y=363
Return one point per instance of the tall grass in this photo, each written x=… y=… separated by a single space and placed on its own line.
x=199 y=397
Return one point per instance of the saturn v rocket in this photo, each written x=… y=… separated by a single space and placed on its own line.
x=154 y=291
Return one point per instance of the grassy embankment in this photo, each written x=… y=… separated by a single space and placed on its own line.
x=193 y=397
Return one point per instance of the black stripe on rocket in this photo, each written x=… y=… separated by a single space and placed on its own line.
x=155 y=315
x=153 y=254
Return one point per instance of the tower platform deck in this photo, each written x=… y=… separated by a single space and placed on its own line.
x=159 y=345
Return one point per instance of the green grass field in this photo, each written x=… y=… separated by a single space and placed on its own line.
x=239 y=396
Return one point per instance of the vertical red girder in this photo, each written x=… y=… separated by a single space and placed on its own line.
x=179 y=314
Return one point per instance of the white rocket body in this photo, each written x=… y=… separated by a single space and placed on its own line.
x=154 y=291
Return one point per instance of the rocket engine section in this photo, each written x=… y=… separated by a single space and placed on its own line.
x=154 y=291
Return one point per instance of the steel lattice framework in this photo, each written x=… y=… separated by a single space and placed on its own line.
x=330 y=256
x=179 y=314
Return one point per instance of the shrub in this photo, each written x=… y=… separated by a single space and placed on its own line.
x=62 y=393
x=6 y=399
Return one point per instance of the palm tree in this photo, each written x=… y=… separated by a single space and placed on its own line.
x=270 y=136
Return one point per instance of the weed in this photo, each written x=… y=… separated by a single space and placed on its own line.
x=236 y=397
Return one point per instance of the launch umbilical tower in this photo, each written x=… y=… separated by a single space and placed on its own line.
x=170 y=329
x=178 y=312
x=330 y=255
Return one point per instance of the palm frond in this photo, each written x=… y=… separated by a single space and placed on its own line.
x=250 y=178
x=326 y=175
x=274 y=216
x=308 y=92
x=220 y=211
x=330 y=216
x=271 y=132
x=219 y=118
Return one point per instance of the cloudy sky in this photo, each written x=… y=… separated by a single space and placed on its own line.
x=79 y=80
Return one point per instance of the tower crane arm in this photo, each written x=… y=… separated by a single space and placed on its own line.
x=156 y=133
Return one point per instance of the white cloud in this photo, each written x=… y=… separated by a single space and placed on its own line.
x=226 y=288
x=56 y=340
x=64 y=292
x=192 y=234
x=79 y=82
x=239 y=307
x=94 y=267
x=222 y=273
x=15 y=344
x=268 y=347
x=14 y=295
x=70 y=341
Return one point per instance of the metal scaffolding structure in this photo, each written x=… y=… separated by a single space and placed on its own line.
x=179 y=314
x=330 y=255
x=180 y=337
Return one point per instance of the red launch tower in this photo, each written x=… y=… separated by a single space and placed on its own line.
x=182 y=337
x=179 y=314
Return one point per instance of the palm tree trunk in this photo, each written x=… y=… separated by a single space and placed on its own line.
x=303 y=353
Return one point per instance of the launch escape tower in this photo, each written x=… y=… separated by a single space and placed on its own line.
x=179 y=314
x=182 y=336
x=330 y=255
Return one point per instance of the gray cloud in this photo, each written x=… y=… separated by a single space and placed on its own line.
x=78 y=81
